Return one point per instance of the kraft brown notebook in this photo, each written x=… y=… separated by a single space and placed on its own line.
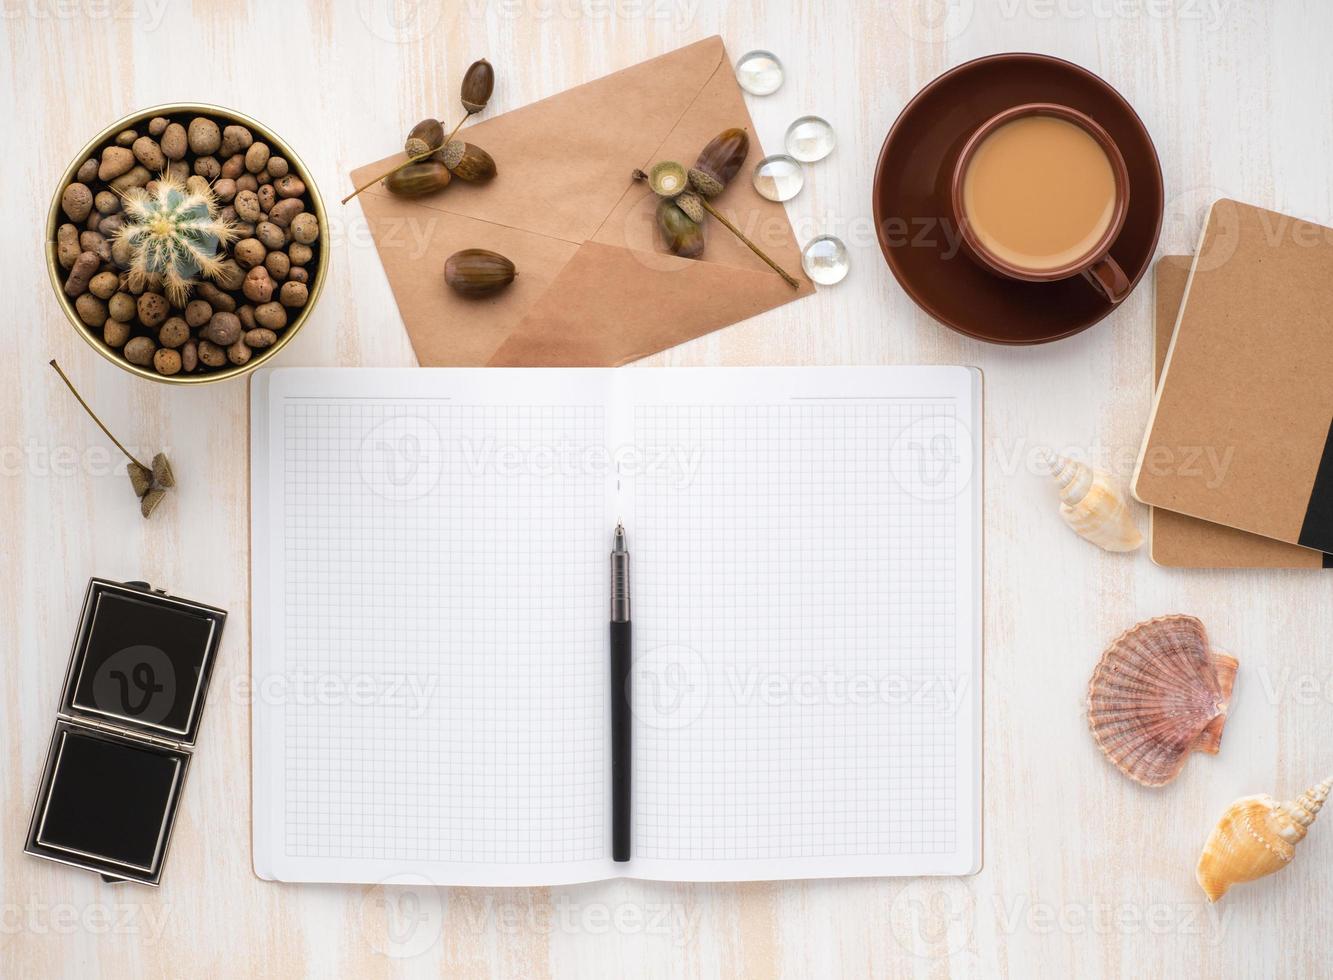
x=1239 y=432
x=1178 y=541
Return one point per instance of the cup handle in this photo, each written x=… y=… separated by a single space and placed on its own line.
x=1109 y=279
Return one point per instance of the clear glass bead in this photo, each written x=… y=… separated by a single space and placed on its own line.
x=825 y=260
x=778 y=177
x=810 y=138
x=759 y=72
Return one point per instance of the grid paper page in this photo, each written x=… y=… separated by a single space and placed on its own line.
x=440 y=581
x=803 y=579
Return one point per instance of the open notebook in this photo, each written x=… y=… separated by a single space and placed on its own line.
x=430 y=603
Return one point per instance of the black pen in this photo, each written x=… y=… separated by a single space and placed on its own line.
x=620 y=695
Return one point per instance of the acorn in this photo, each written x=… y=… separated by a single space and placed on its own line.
x=478 y=83
x=478 y=272
x=417 y=179
x=468 y=162
x=425 y=135
x=719 y=161
x=683 y=236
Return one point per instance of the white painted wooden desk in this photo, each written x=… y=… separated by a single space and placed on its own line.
x=1086 y=874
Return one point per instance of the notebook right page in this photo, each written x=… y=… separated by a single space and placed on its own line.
x=806 y=690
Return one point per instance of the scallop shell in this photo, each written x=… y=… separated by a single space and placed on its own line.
x=1256 y=837
x=1159 y=693
x=1092 y=505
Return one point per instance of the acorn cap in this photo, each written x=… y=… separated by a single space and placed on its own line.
x=705 y=183
x=692 y=205
x=667 y=178
x=141 y=478
x=150 y=501
x=452 y=153
x=162 y=474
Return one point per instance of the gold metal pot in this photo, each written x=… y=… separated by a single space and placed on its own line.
x=135 y=120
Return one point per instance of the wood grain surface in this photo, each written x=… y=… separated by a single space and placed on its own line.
x=1086 y=874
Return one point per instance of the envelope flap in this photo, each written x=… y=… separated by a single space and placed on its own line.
x=610 y=305
x=563 y=163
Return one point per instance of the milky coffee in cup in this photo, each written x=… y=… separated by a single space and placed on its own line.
x=1039 y=193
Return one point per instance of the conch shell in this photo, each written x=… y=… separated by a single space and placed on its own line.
x=1255 y=837
x=1092 y=506
x=1159 y=693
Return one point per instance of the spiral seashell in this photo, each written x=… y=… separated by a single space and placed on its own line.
x=1256 y=837
x=1159 y=693
x=1092 y=506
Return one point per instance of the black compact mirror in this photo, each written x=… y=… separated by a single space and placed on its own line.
x=134 y=693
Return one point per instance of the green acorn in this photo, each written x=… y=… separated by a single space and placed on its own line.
x=683 y=236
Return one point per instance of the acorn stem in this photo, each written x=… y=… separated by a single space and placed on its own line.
x=93 y=415
x=450 y=138
x=416 y=159
x=752 y=246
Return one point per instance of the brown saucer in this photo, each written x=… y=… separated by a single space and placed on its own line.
x=911 y=199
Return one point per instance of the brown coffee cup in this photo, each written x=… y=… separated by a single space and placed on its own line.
x=1096 y=264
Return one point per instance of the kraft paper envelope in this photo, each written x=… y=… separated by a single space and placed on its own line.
x=595 y=286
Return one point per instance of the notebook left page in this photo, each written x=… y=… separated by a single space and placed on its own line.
x=428 y=594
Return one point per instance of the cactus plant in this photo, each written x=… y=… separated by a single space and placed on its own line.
x=173 y=233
